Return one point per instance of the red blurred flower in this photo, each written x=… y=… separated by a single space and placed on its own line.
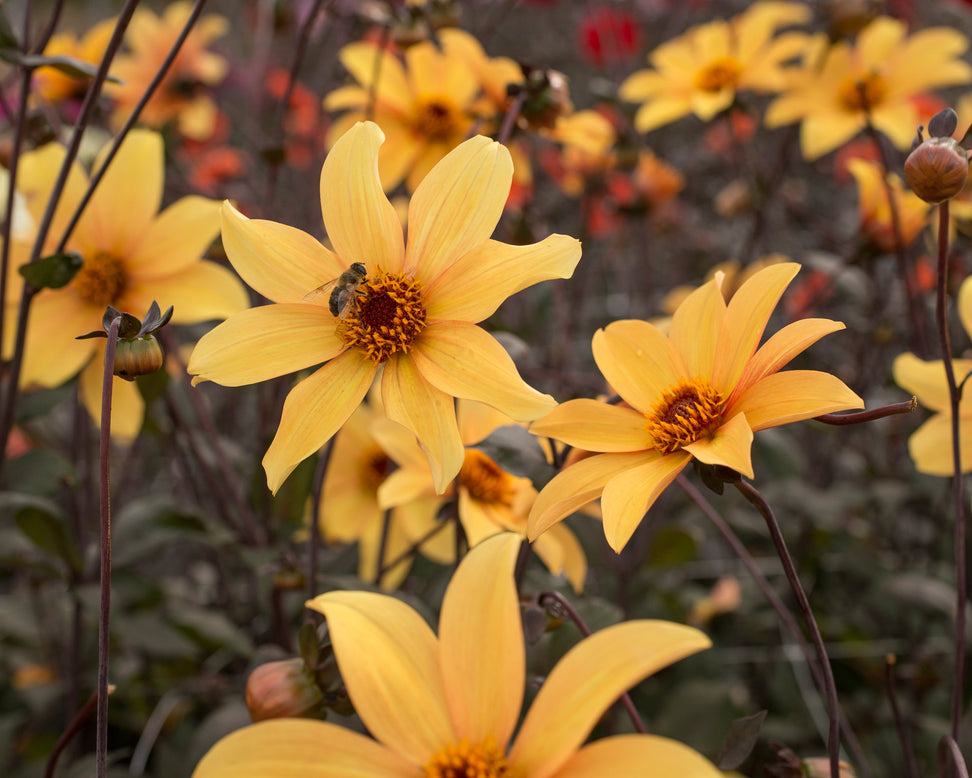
x=609 y=36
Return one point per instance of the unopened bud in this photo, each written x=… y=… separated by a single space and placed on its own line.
x=937 y=168
x=282 y=689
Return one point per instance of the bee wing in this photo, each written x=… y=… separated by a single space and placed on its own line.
x=323 y=289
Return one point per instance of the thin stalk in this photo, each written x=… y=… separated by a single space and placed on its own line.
x=101 y=748
x=68 y=734
x=949 y=752
x=904 y=735
x=314 y=539
x=414 y=548
x=954 y=396
x=753 y=496
x=509 y=120
x=45 y=36
x=872 y=414
x=555 y=601
x=386 y=520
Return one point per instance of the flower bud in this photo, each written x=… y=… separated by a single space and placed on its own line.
x=937 y=169
x=282 y=689
x=137 y=356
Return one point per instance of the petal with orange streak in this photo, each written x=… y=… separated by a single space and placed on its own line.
x=695 y=328
x=794 y=395
x=595 y=426
x=730 y=446
x=638 y=360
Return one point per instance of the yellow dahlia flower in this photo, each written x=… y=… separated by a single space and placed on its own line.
x=701 y=71
x=930 y=445
x=449 y=704
x=882 y=71
x=423 y=107
x=183 y=96
x=415 y=315
x=699 y=391
x=53 y=85
x=132 y=255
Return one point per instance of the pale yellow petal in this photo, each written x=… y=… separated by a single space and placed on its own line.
x=627 y=756
x=477 y=518
x=478 y=420
x=314 y=410
x=201 y=292
x=177 y=238
x=629 y=495
x=595 y=426
x=399 y=443
x=474 y=287
x=265 y=342
x=365 y=61
x=589 y=678
x=127 y=406
x=465 y=361
x=661 y=111
x=428 y=412
x=282 y=263
x=389 y=660
x=794 y=395
x=457 y=206
x=560 y=544
x=406 y=484
x=821 y=133
x=52 y=355
x=730 y=446
x=37 y=171
x=695 y=328
x=930 y=445
x=965 y=305
x=301 y=748
x=638 y=360
x=927 y=380
x=481 y=643
x=360 y=221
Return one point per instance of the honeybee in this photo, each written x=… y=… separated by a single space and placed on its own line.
x=343 y=290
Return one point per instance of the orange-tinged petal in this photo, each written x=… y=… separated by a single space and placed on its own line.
x=695 y=328
x=456 y=207
x=629 y=495
x=465 y=361
x=428 y=412
x=638 y=756
x=360 y=221
x=746 y=317
x=595 y=426
x=301 y=748
x=282 y=263
x=577 y=485
x=405 y=484
x=731 y=446
x=965 y=305
x=561 y=552
x=638 y=360
x=927 y=380
x=128 y=197
x=825 y=132
x=481 y=643
x=477 y=420
x=589 y=678
x=479 y=520
x=202 y=292
x=389 y=660
x=37 y=171
x=55 y=317
x=127 y=406
x=662 y=111
x=287 y=338
x=794 y=395
x=177 y=238
x=399 y=443
x=365 y=59
x=473 y=288
x=930 y=445
x=314 y=410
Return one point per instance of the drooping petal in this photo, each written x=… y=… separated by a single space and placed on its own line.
x=301 y=748
x=314 y=410
x=360 y=221
x=286 y=337
x=794 y=395
x=396 y=684
x=456 y=207
x=127 y=405
x=629 y=756
x=695 y=328
x=930 y=445
x=473 y=288
x=577 y=485
x=589 y=678
x=465 y=361
x=629 y=495
x=927 y=380
x=481 y=643
x=177 y=238
x=428 y=412
x=730 y=446
x=638 y=360
x=282 y=263
x=595 y=426
x=746 y=317
x=202 y=292
x=132 y=187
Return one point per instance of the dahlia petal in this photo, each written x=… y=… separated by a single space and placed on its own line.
x=589 y=678
x=364 y=60
x=626 y=756
x=661 y=111
x=822 y=133
x=37 y=171
x=695 y=328
x=629 y=495
x=562 y=553
x=433 y=73
x=54 y=314
x=202 y=292
x=127 y=405
x=281 y=263
x=794 y=395
x=477 y=520
x=638 y=361
x=457 y=206
x=483 y=661
x=360 y=221
x=177 y=238
x=405 y=484
x=301 y=748
x=930 y=446
x=314 y=410
x=965 y=305
x=730 y=446
x=396 y=685
x=595 y=426
x=287 y=338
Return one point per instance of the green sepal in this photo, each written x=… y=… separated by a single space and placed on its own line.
x=52 y=272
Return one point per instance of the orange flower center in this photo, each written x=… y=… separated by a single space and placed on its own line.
x=686 y=412
x=101 y=280
x=718 y=74
x=436 y=119
x=486 y=481
x=462 y=760
x=858 y=93
x=388 y=317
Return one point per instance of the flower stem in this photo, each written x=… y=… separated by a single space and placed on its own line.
x=314 y=540
x=101 y=748
x=904 y=736
x=68 y=735
x=949 y=752
x=386 y=520
x=833 y=736
x=872 y=414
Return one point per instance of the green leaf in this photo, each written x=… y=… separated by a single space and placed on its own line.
x=71 y=66
x=740 y=741
x=52 y=272
x=39 y=472
x=50 y=533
